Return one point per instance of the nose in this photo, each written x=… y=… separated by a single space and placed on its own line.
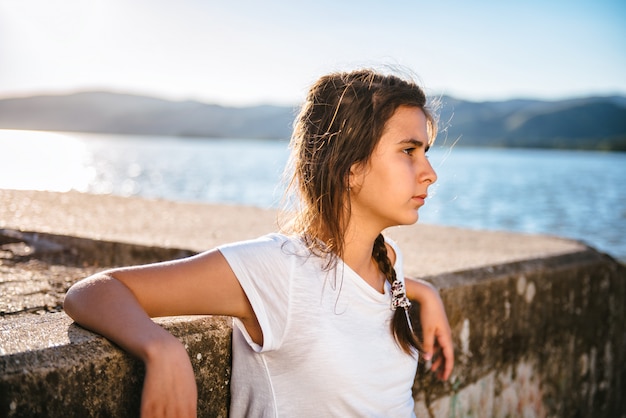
x=428 y=174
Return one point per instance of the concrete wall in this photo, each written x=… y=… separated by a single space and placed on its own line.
x=538 y=338
x=541 y=337
x=52 y=368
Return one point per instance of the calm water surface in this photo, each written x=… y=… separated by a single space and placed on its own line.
x=574 y=194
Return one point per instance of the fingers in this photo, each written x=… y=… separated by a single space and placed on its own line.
x=438 y=347
x=441 y=366
x=448 y=354
x=436 y=366
x=446 y=357
x=163 y=401
x=169 y=388
x=164 y=411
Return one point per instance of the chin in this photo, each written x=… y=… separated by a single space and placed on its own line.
x=410 y=220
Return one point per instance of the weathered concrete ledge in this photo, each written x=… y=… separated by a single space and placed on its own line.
x=536 y=338
x=50 y=367
x=539 y=323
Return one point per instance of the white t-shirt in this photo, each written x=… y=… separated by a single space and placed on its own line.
x=328 y=350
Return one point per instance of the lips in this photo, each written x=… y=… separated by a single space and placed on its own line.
x=421 y=198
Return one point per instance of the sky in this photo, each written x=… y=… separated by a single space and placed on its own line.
x=247 y=52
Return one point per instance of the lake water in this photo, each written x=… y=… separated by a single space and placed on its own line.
x=574 y=194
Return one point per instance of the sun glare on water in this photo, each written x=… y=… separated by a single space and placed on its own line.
x=31 y=160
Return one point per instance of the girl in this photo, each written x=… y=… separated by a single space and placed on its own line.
x=321 y=311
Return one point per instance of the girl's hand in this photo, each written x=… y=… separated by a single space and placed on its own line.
x=169 y=388
x=437 y=336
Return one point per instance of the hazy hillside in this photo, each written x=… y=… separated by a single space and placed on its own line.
x=105 y=112
x=586 y=123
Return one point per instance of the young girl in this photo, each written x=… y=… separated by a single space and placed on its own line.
x=321 y=311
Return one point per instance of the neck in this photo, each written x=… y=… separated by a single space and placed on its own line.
x=357 y=253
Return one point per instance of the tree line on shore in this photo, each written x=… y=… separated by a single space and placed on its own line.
x=593 y=123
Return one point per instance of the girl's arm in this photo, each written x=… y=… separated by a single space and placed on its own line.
x=435 y=326
x=118 y=304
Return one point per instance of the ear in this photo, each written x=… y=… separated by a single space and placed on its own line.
x=357 y=172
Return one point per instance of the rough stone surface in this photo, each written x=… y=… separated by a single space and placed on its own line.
x=51 y=367
x=538 y=338
x=36 y=269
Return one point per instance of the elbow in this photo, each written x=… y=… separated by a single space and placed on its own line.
x=72 y=300
x=83 y=294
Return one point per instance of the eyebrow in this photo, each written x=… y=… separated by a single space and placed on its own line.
x=415 y=142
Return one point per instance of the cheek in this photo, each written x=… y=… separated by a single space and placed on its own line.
x=404 y=171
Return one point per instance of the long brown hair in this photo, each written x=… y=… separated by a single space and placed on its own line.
x=339 y=124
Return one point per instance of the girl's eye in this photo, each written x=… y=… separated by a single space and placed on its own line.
x=409 y=151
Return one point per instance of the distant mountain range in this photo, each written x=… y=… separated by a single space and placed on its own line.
x=584 y=123
x=597 y=123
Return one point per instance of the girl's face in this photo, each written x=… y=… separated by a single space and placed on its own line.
x=390 y=188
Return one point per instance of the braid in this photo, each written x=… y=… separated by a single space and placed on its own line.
x=400 y=327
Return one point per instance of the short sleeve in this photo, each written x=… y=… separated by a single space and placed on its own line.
x=263 y=267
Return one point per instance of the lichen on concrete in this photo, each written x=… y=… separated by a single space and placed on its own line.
x=537 y=338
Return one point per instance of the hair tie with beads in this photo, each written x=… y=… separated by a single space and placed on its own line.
x=400 y=300
x=398 y=296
